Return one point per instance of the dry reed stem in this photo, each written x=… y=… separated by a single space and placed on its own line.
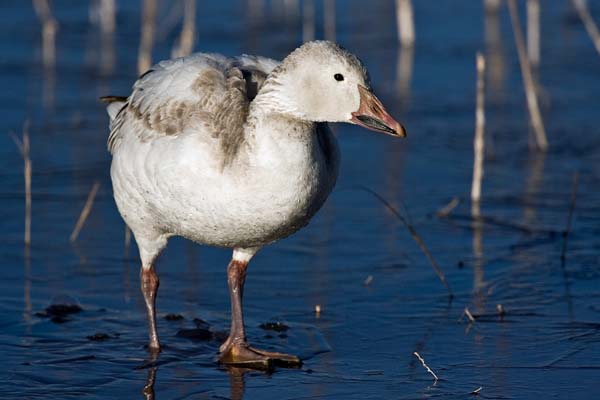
x=24 y=149
x=500 y=310
x=479 y=141
x=85 y=212
x=478 y=157
x=426 y=366
x=308 y=20
x=147 y=39
x=588 y=22
x=185 y=44
x=528 y=83
x=329 y=19
x=405 y=23
x=404 y=72
x=533 y=32
x=448 y=208
x=27 y=174
x=107 y=14
x=416 y=238
x=169 y=21
x=49 y=29
x=567 y=230
x=17 y=142
x=492 y=5
x=127 y=239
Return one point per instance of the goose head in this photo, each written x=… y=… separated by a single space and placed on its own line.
x=322 y=82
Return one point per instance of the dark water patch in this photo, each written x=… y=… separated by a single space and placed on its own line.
x=195 y=334
x=101 y=337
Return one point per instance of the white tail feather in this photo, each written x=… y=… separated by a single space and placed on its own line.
x=113 y=109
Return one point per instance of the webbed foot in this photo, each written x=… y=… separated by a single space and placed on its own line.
x=243 y=355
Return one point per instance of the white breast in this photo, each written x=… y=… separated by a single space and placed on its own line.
x=178 y=186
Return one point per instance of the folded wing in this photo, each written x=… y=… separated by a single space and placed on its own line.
x=205 y=94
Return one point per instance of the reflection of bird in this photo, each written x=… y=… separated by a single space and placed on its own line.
x=233 y=153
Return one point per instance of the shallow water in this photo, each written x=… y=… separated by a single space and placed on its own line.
x=547 y=343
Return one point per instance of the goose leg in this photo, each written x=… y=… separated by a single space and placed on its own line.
x=236 y=350
x=149 y=283
x=150 y=247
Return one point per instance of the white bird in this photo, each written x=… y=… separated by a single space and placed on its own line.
x=233 y=152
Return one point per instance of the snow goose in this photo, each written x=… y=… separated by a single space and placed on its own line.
x=233 y=152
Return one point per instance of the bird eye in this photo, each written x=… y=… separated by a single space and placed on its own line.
x=339 y=77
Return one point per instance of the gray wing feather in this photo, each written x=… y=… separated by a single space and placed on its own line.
x=202 y=92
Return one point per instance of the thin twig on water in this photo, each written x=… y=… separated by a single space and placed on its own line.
x=469 y=315
x=488 y=220
x=24 y=149
x=448 y=208
x=588 y=22
x=567 y=231
x=528 y=83
x=415 y=237
x=479 y=141
x=426 y=366
x=85 y=212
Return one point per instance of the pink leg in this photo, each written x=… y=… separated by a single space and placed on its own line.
x=235 y=350
x=149 y=283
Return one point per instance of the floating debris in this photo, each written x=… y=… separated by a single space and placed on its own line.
x=200 y=323
x=274 y=326
x=500 y=310
x=201 y=332
x=60 y=309
x=174 y=317
x=373 y=372
x=476 y=391
x=368 y=281
x=318 y=310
